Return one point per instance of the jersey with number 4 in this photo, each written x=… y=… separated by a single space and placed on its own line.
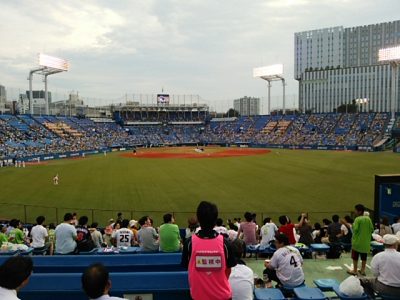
x=123 y=237
x=287 y=262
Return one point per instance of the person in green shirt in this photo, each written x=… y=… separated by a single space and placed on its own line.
x=16 y=235
x=170 y=239
x=3 y=237
x=361 y=240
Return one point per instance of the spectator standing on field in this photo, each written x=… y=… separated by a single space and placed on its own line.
x=361 y=240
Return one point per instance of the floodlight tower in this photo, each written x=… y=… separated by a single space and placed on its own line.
x=272 y=73
x=392 y=56
x=48 y=65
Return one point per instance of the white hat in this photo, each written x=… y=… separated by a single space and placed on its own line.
x=390 y=239
x=132 y=223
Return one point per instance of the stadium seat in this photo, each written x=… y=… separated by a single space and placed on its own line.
x=308 y=293
x=161 y=285
x=343 y=296
x=321 y=248
x=268 y=294
x=91 y=252
x=115 y=263
x=287 y=289
x=326 y=284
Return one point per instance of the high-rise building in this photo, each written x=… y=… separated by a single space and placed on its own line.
x=247 y=106
x=3 y=95
x=335 y=66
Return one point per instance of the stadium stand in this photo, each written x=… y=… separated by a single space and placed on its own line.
x=25 y=136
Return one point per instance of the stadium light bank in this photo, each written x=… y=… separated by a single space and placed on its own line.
x=48 y=65
x=392 y=56
x=271 y=73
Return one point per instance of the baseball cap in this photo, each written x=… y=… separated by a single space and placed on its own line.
x=390 y=239
x=132 y=223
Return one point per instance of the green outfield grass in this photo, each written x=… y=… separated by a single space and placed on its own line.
x=283 y=181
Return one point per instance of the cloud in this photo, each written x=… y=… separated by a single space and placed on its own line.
x=200 y=47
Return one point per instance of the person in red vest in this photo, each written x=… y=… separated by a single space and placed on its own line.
x=208 y=257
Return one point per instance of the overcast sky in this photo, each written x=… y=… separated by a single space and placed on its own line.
x=193 y=47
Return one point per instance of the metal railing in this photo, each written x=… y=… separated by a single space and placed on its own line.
x=28 y=213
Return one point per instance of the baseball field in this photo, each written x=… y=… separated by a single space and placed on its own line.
x=159 y=180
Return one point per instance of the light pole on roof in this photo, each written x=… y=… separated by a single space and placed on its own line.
x=272 y=73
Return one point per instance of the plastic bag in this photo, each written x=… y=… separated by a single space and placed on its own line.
x=351 y=286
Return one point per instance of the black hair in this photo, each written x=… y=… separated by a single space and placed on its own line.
x=360 y=208
x=282 y=239
x=14 y=223
x=220 y=222
x=119 y=214
x=396 y=219
x=317 y=226
x=335 y=218
x=267 y=220
x=385 y=221
x=14 y=271
x=207 y=214
x=125 y=223
x=283 y=220
x=40 y=220
x=143 y=220
x=52 y=226
x=326 y=222
x=94 y=225
x=238 y=247
x=248 y=216
x=83 y=220
x=68 y=217
x=94 y=280
x=167 y=218
x=348 y=219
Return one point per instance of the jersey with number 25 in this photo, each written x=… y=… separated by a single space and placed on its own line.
x=123 y=237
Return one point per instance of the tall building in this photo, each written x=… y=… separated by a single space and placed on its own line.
x=337 y=65
x=3 y=95
x=247 y=106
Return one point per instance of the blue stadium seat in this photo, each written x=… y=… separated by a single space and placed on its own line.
x=268 y=294
x=167 y=262
x=162 y=286
x=326 y=284
x=308 y=293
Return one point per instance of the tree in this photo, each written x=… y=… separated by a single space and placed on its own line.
x=232 y=113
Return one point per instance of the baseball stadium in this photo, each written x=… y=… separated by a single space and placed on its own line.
x=170 y=198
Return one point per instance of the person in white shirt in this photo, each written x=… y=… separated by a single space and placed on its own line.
x=123 y=237
x=241 y=278
x=268 y=231
x=66 y=235
x=39 y=234
x=385 y=266
x=14 y=275
x=96 y=283
x=285 y=266
x=220 y=228
x=396 y=225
